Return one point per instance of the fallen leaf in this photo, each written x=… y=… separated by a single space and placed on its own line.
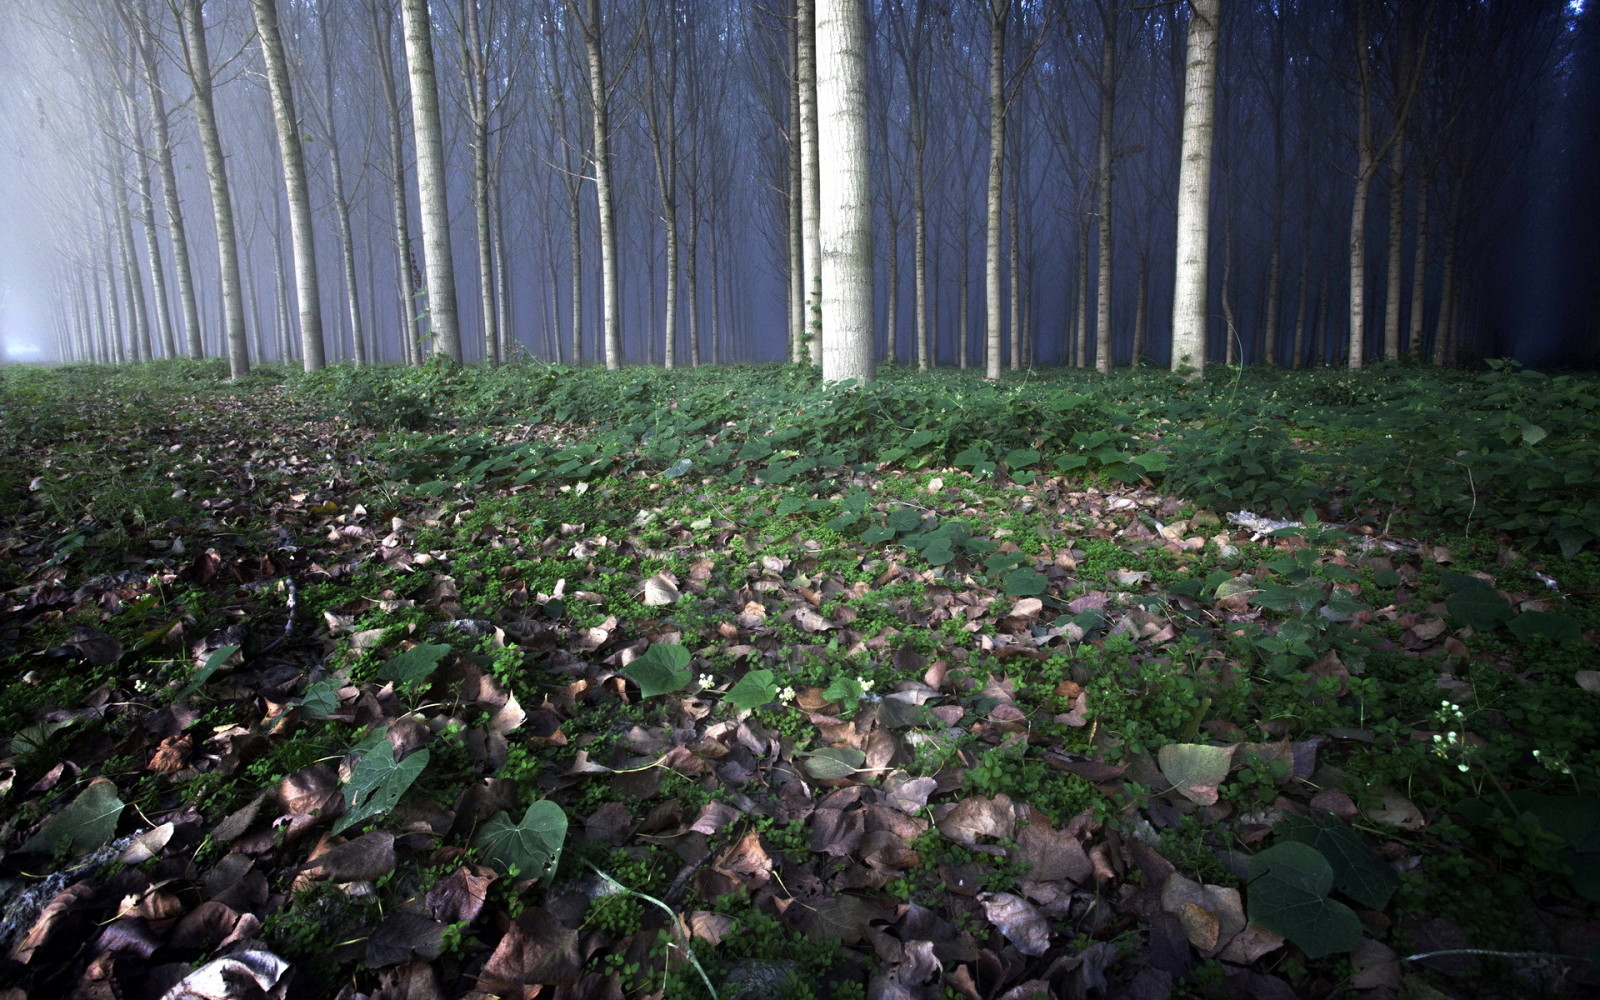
x=1196 y=770
x=660 y=589
x=1019 y=920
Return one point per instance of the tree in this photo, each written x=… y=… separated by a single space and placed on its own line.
x=197 y=61
x=846 y=189
x=293 y=161
x=605 y=201
x=431 y=191
x=1194 y=190
x=810 y=219
x=341 y=199
x=999 y=11
x=381 y=20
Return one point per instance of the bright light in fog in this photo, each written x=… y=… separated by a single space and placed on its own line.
x=17 y=350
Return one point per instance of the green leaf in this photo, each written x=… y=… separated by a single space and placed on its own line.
x=1475 y=603
x=213 y=663
x=1557 y=628
x=1358 y=872
x=905 y=519
x=321 y=699
x=876 y=534
x=1151 y=461
x=791 y=505
x=1025 y=582
x=661 y=669
x=1021 y=458
x=753 y=690
x=531 y=847
x=919 y=439
x=844 y=689
x=970 y=457
x=87 y=822
x=1288 y=895
x=414 y=664
x=378 y=780
x=677 y=469
x=938 y=552
x=834 y=762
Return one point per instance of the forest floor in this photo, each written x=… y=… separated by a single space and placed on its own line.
x=535 y=681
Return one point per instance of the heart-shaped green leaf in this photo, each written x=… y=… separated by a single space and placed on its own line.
x=378 y=781
x=1358 y=872
x=414 y=664
x=1288 y=895
x=834 y=762
x=530 y=847
x=754 y=689
x=87 y=822
x=662 y=669
x=1195 y=769
x=1025 y=582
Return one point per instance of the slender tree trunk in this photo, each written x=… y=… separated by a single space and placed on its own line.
x=846 y=188
x=1230 y=326
x=474 y=65
x=1108 y=106
x=177 y=234
x=147 y=220
x=381 y=17
x=432 y=193
x=341 y=203
x=1274 y=304
x=1419 y=269
x=502 y=277
x=1015 y=258
x=1444 y=325
x=1392 y=289
x=798 y=330
x=1080 y=320
x=999 y=11
x=810 y=171
x=1141 y=307
x=1189 y=312
x=293 y=161
x=605 y=200
x=964 y=310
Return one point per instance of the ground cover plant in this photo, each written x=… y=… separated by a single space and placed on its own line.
x=542 y=681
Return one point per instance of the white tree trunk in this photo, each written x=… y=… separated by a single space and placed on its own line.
x=1108 y=107
x=1419 y=269
x=199 y=67
x=431 y=190
x=999 y=10
x=1392 y=290
x=293 y=161
x=810 y=172
x=605 y=200
x=1189 y=311
x=846 y=189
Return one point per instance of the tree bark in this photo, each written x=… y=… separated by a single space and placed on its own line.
x=399 y=201
x=198 y=62
x=1108 y=106
x=439 y=259
x=292 y=159
x=846 y=189
x=1189 y=313
x=605 y=200
x=810 y=172
x=1419 y=269
x=999 y=11
x=341 y=204
x=1392 y=290
x=475 y=67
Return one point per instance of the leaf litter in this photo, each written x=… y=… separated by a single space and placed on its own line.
x=237 y=747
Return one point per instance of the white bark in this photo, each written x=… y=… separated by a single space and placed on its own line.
x=199 y=68
x=810 y=217
x=605 y=200
x=846 y=188
x=431 y=190
x=999 y=10
x=1189 y=311
x=293 y=161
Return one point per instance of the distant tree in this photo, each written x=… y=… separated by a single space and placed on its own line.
x=591 y=24
x=380 y=15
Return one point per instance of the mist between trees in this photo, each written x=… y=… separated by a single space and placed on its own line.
x=987 y=183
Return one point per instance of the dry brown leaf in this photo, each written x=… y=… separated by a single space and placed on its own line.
x=660 y=589
x=1018 y=920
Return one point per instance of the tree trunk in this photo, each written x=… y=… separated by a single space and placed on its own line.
x=1080 y=319
x=1141 y=309
x=605 y=200
x=846 y=189
x=292 y=159
x=475 y=67
x=999 y=10
x=798 y=330
x=341 y=205
x=1443 y=331
x=1014 y=249
x=1419 y=269
x=1108 y=106
x=1189 y=313
x=147 y=220
x=138 y=308
x=1392 y=290
x=177 y=234
x=399 y=201
x=432 y=194
x=810 y=171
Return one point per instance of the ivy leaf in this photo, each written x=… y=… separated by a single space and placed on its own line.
x=1025 y=582
x=1288 y=895
x=753 y=690
x=1475 y=603
x=531 y=847
x=89 y=821
x=321 y=699
x=1358 y=872
x=905 y=519
x=378 y=781
x=661 y=669
x=414 y=664
x=844 y=689
x=1557 y=628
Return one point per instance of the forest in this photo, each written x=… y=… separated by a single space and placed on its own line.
x=830 y=500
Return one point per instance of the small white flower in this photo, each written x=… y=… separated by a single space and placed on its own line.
x=1461 y=767
x=786 y=694
x=707 y=681
x=866 y=685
